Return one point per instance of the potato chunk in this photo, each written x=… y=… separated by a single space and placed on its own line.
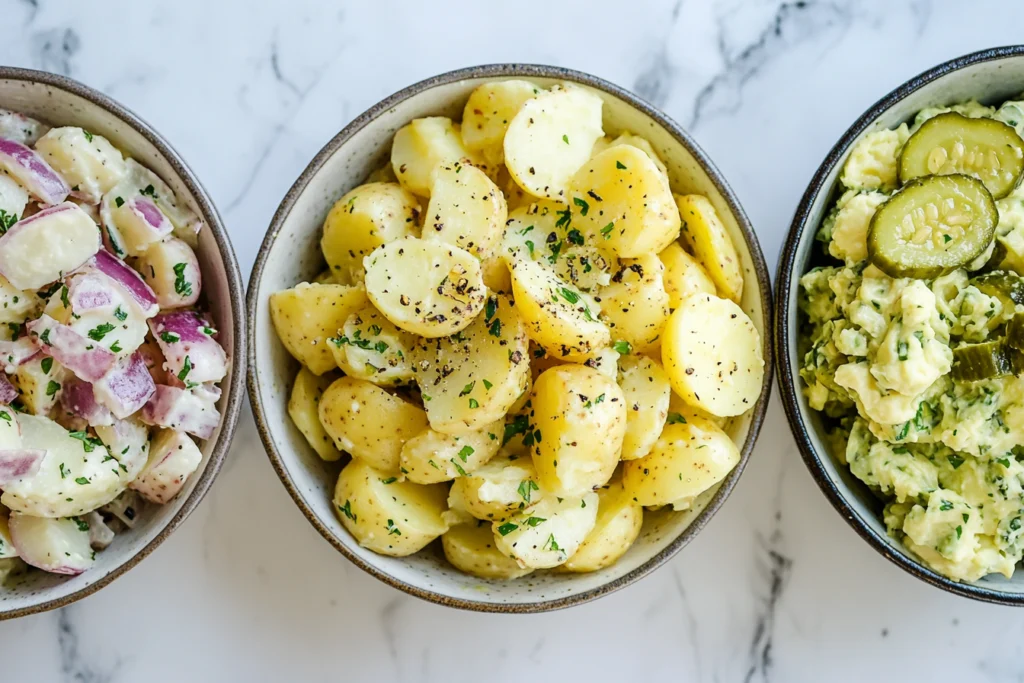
x=683 y=276
x=549 y=533
x=431 y=457
x=488 y=112
x=499 y=488
x=371 y=347
x=647 y=393
x=304 y=409
x=705 y=235
x=466 y=209
x=619 y=520
x=636 y=306
x=470 y=547
x=421 y=146
x=307 y=314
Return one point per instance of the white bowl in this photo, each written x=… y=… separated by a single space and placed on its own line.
x=291 y=254
x=58 y=100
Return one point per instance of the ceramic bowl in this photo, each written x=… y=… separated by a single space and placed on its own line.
x=990 y=76
x=291 y=254
x=61 y=101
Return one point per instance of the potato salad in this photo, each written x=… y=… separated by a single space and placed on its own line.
x=913 y=334
x=109 y=370
x=522 y=339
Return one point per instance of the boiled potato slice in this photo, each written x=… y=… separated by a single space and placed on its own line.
x=681 y=411
x=428 y=288
x=466 y=209
x=706 y=237
x=549 y=533
x=647 y=392
x=688 y=459
x=307 y=314
x=488 y=112
x=558 y=317
x=683 y=276
x=712 y=353
x=623 y=203
x=550 y=138
x=88 y=162
x=471 y=548
x=388 y=516
x=369 y=423
x=304 y=409
x=384 y=174
x=362 y=220
x=421 y=146
x=619 y=520
x=472 y=379
x=431 y=457
x=515 y=196
x=605 y=361
x=371 y=347
x=496 y=275
x=642 y=144
x=580 y=417
x=499 y=488
x=636 y=306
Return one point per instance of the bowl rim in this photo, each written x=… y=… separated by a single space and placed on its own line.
x=785 y=281
x=232 y=407
x=513 y=70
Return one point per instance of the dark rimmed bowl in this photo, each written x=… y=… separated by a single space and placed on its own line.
x=62 y=101
x=990 y=76
x=291 y=254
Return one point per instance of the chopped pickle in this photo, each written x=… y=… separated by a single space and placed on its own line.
x=1015 y=332
x=995 y=261
x=1002 y=284
x=974 y=362
x=932 y=226
x=986 y=149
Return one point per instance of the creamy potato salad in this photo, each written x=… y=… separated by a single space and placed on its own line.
x=914 y=332
x=109 y=369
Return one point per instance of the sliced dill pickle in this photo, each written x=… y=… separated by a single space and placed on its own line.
x=932 y=226
x=1015 y=332
x=1002 y=284
x=986 y=149
x=1016 y=361
x=975 y=362
x=995 y=261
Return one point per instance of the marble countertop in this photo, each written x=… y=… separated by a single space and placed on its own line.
x=776 y=588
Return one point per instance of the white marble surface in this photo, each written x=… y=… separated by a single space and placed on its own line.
x=776 y=588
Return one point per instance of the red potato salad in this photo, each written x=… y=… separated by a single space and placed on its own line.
x=110 y=372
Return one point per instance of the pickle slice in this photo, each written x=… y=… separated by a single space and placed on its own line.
x=986 y=149
x=1002 y=284
x=975 y=362
x=932 y=226
x=1015 y=332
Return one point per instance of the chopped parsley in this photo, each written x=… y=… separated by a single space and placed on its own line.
x=474 y=404
x=468 y=389
x=606 y=231
x=169 y=337
x=623 y=348
x=465 y=452
x=565 y=139
x=534 y=521
x=118 y=202
x=584 y=207
x=81 y=481
x=97 y=333
x=346 y=510
x=7 y=221
x=46 y=364
x=392 y=529
x=507 y=528
x=955 y=461
x=88 y=136
x=185 y=369
x=676 y=419
x=149 y=191
x=619 y=165
x=52 y=388
x=526 y=489
x=182 y=287
x=89 y=443
x=120 y=314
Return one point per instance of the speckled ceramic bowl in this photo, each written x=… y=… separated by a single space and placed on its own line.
x=61 y=101
x=291 y=254
x=990 y=76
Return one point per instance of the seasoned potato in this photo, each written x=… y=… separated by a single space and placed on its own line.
x=428 y=288
x=326 y=277
x=371 y=347
x=619 y=519
x=605 y=361
x=496 y=275
x=362 y=220
x=688 y=459
x=466 y=209
x=470 y=380
x=549 y=533
x=304 y=409
x=647 y=393
x=384 y=174
x=558 y=317
x=624 y=204
x=515 y=196
x=636 y=306
x=683 y=276
x=386 y=515
x=88 y=162
x=369 y=423
x=499 y=488
x=706 y=237
x=307 y=314
x=580 y=416
x=680 y=411
x=421 y=146
x=712 y=353
x=550 y=138
x=431 y=457
x=471 y=548
x=489 y=110
x=642 y=144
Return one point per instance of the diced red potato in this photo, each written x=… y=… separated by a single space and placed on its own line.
x=10 y=429
x=137 y=220
x=46 y=246
x=78 y=398
x=13 y=198
x=88 y=162
x=19 y=464
x=40 y=381
x=7 y=549
x=187 y=224
x=121 y=273
x=190 y=351
x=32 y=172
x=20 y=128
x=126 y=387
x=59 y=546
x=94 y=306
x=17 y=305
x=128 y=441
x=154 y=359
x=81 y=356
x=185 y=410
x=14 y=353
x=173 y=457
x=171 y=269
x=8 y=392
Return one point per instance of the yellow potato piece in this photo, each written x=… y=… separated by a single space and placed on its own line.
x=488 y=112
x=304 y=407
x=496 y=275
x=620 y=200
x=549 y=533
x=683 y=276
x=371 y=347
x=388 y=516
x=369 y=423
x=384 y=174
x=515 y=196
x=636 y=306
x=307 y=314
x=619 y=520
x=644 y=145
x=421 y=146
x=362 y=220
x=428 y=288
x=504 y=485
x=471 y=548
x=466 y=209
x=580 y=416
x=647 y=393
x=678 y=408
x=712 y=353
x=705 y=235
x=431 y=457
x=688 y=459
